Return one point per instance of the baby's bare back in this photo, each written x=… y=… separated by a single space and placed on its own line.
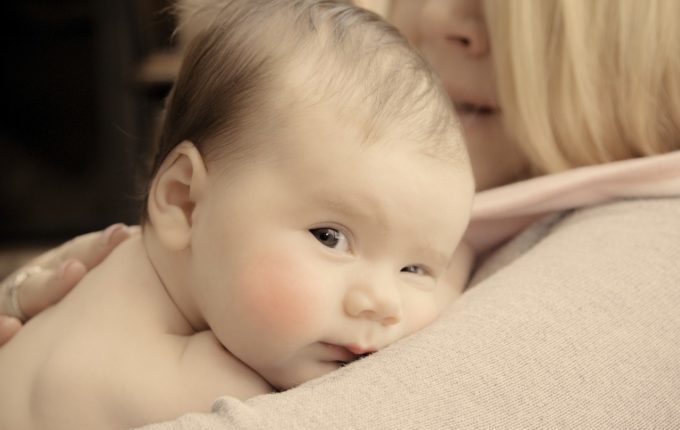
x=114 y=354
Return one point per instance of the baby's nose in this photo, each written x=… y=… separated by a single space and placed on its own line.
x=376 y=301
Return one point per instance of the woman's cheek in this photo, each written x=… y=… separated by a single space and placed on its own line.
x=283 y=294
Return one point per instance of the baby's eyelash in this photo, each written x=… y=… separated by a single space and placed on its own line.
x=416 y=270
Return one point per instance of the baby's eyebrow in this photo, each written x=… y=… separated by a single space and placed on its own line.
x=436 y=257
x=356 y=206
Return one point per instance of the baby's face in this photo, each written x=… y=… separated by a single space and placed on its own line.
x=333 y=249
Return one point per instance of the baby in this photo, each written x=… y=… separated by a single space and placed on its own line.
x=309 y=190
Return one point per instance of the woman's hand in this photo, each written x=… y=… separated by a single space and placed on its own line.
x=49 y=277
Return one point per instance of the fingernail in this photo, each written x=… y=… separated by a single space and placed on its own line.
x=107 y=234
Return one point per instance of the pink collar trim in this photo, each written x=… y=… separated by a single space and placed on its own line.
x=500 y=213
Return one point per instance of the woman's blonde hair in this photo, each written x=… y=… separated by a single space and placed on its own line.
x=583 y=82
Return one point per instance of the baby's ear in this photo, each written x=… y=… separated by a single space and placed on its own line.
x=176 y=189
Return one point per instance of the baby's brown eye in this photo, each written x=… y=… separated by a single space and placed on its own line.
x=416 y=270
x=331 y=238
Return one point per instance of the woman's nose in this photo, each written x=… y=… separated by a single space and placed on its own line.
x=457 y=23
x=377 y=301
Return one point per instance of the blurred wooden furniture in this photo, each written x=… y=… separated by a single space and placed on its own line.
x=158 y=68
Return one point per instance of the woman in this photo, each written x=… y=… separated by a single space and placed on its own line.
x=574 y=322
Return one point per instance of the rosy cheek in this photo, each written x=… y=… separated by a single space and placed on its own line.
x=423 y=316
x=281 y=292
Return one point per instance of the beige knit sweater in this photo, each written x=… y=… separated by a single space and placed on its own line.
x=575 y=323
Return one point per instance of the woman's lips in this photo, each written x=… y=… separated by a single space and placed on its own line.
x=465 y=108
x=475 y=117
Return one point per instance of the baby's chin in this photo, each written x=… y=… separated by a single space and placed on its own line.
x=285 y=379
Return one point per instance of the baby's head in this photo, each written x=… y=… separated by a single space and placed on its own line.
x=310 y=188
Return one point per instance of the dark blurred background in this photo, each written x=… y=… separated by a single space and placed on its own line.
x=81 y=82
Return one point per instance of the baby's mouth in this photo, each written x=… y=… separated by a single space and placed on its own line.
x=345 y=354
x=339 y=353
x=360 y=351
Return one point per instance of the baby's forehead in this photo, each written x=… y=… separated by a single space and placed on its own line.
x=318 y=113
x=391 y=94
x=328 y=151
x=301 y=116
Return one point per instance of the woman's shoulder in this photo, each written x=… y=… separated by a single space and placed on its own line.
x=628 y=230
x=623 y=223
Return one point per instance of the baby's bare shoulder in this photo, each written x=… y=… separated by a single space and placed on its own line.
x=111 y=382
x=106 y=382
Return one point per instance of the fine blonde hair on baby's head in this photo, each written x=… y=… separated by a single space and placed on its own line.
x=584 y=82
x=241 y=54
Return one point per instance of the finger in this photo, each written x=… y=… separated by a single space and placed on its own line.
x=8 y=327
x=92 y=248
x=63 y=267
x=43 y=289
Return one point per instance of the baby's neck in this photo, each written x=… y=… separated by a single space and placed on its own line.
x=172 y=273
x=129 y=274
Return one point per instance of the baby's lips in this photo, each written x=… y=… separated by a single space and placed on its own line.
x=339 y=352
x=358 y=350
